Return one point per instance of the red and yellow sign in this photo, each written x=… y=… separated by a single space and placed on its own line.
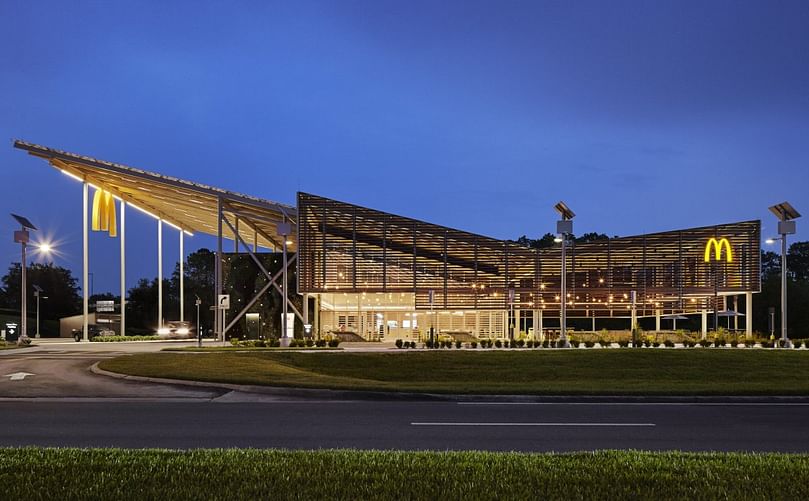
x=717 y=246
x=104 y=213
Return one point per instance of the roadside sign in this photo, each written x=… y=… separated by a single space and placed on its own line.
x=224 y=301
x=430 y=294
x=105 y=306
x=11 y=331
x=511 y=296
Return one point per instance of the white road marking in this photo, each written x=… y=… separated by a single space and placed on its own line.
x=712 y=404
x=528 y=424
x=18 y=376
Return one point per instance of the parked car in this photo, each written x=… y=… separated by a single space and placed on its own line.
x=93 y=330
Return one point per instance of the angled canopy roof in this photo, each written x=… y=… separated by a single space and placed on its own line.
x=185 y=204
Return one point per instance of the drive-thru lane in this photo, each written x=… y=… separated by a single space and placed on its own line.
x=61 y=369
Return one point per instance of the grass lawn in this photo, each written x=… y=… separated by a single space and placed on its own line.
x=537 y=372
x=205 y=349
x=252 y=474
x=11 y=346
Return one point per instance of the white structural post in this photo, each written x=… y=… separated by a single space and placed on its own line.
x=748 y=319
x=735 y=310
x=123 y=268
x=704 y=323
x=182 y=292
x=541 y=334
x=159 y=273
x=85 y=263
x=657 y=320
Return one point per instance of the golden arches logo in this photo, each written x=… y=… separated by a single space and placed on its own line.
x=716 y=246
x=104 y=213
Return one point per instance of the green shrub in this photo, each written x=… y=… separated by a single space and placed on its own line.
x=604 y=343
x=734 y=343
x=234 y=341
x=589 y=344
x=334 y=343
x=473 y=344
x=647 y=343
x=623 y=344
x=399 y=343
x=656 y=344
x=310 y=342
x=574 y=343
x=521 y=343
x=320 y=343
x=546 y=344
x=797 y=343
x=668 y=343
x=498 y=343
x=458 y=344
x=704 y=343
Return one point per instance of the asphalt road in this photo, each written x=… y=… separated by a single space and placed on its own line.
x=405 y=425
x=64 y=404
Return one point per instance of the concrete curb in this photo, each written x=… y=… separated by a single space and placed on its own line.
x=432 y=397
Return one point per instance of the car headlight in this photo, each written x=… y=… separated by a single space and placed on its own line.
x=182 y=330
x=164 y=330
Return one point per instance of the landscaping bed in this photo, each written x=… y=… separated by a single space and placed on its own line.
x=68 y=474
x=527 y=372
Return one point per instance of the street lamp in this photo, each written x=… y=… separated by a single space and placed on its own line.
x=22 y=237
x=786 y=226
x=199 y=328
x=564 y=227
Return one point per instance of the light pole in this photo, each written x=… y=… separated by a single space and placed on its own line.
x=564 y=227
x=199 y=328
x=22 y=237
x=38 y=293
x=786 y=226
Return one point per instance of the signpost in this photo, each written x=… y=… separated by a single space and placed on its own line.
x=223 y=303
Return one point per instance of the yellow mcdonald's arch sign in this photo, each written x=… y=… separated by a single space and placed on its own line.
x=104 y=213
x=716 y=246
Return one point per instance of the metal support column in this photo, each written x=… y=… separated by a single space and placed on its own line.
x=123 y=268
x=704 y=323
x=735 y=310
x=85 y=264
x=236 y=237
x=748 y=311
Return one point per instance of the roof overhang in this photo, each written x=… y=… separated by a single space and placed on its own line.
x=189 y=206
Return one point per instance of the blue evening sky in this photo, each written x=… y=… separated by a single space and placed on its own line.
x=642 y=115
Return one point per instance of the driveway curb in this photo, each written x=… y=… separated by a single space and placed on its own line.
x=402 y=396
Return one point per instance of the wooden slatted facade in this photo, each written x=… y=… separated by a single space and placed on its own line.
x=348 y=248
